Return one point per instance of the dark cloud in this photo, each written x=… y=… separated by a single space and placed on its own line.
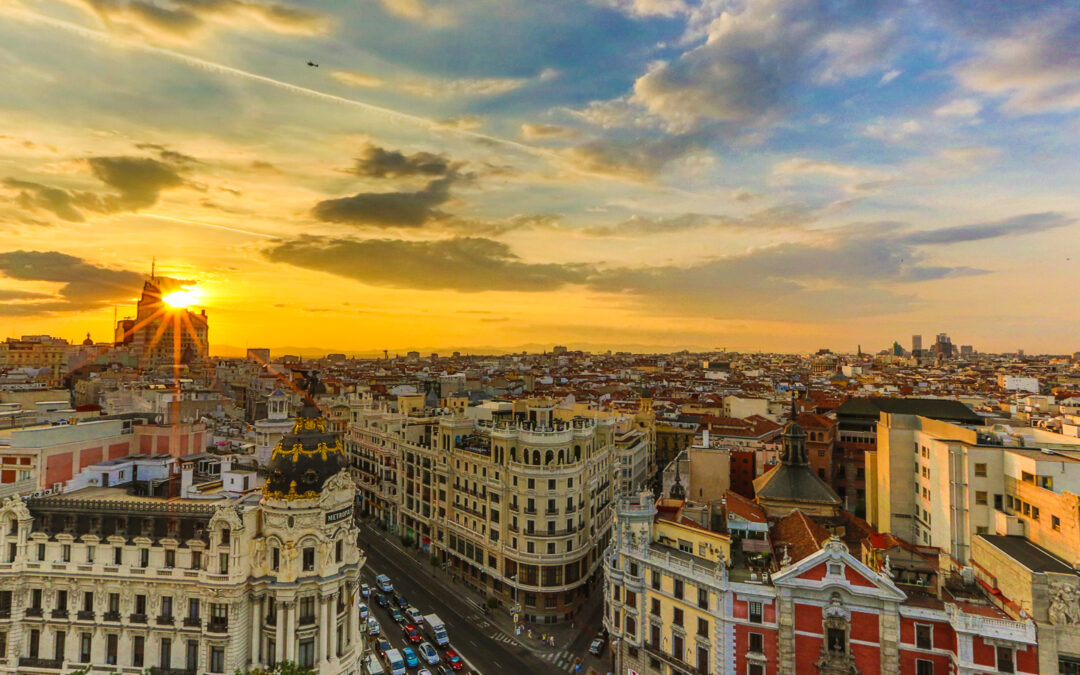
x=467 y=264
x=139 y=180
x=11 y=294
x=184 y=20
x=387 y=209
x=85 y=285
x=61 y=203
x=844 y=272
x=1029 y=223
x=168 y=155
x=379 y=162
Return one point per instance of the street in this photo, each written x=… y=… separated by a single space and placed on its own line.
x=486 y=642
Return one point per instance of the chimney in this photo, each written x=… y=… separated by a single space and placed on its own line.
x=186 y=475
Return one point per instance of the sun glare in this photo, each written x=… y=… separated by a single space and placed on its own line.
x=185 y=297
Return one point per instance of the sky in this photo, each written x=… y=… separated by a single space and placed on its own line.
x=776 y=175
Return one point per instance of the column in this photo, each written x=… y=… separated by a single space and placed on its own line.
x=290 y=630
x=331 y=641
x=324 y=626
x=279 y=633
x=256 y=630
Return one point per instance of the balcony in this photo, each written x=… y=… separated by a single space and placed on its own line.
x=530 y=511
x=514 y=507
x=192 y=622
x=59 y=614
x=307 y=619
x=85 y=615
x=5 y=613
x=158 y=670
x=551 y=512
x=112 y=616
x=33 y=662
x=35 y=612
x=218 y=627
x=676 y=665
x=137 y=618
x=165 y=620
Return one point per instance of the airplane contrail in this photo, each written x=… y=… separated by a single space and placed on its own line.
x=211 y=66
x=205 y=224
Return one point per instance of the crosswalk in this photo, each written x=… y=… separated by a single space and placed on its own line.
x=500 y=636
x=562 y=660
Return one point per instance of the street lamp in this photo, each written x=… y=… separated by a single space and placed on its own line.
x=517 y=607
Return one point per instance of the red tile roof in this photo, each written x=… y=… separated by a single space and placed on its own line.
x=802 y=536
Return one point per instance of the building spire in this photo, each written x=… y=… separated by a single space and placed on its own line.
x=153 y=267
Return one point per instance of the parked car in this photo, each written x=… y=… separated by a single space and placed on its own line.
x=410 y=657
x=373 y=627
x=381 y=600
x=384 y=583
x=443 y=669
x=429 y=653
x=412 y=633
x=423 y=671
x=453 y=659
x=596 y=647
x=364 y=611
x=397 y=616
x=365 y=590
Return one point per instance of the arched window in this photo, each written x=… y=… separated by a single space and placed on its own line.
x=513 y=454
x=577 y=453
x=560 y=456
x=536 y=456
x=548 y=457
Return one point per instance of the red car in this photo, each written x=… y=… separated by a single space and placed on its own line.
x=412 y=633
x=453 y=660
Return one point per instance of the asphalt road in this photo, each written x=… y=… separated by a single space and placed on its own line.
x=480 y=642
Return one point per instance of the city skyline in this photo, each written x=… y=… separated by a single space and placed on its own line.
x=781 y=176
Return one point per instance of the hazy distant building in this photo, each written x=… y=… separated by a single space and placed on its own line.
x=258 y=355
x=163 y=336
x=558 y=349
x=967 y=350
x=916 y=345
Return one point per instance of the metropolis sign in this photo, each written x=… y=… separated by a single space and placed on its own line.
x=339 y=515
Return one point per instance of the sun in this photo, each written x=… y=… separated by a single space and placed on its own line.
x=185 y=297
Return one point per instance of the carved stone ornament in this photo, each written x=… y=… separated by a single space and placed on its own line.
x=340 y=481
x=1064 y=604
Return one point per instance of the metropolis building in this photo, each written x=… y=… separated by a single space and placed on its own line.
x=125 y=577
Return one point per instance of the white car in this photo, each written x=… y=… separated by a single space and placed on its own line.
x=363 y=611
x=415 y=616
x=423 y=671
x=429 y=654
x=365 y=590
x=373 y=627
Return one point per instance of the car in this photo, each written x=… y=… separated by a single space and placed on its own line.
x=397 y=616
x=364 y=611
x=384 y=583
x=381 y=600
x=596 y=647
x=402 y=603
x=365 y=590
x=373 y=627
x=453 y=659
x=410 y=657
x=414 y=615
x=423 y=671
x=383 y=645
x=429 y=653
x=412 y=633
x=443 y=669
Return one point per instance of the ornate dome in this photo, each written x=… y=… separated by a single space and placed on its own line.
x=306 y=457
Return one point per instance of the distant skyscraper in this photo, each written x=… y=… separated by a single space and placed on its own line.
x=162 y=336
x=916 y=344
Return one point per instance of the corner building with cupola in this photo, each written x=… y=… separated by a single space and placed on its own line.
x=121 y=581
